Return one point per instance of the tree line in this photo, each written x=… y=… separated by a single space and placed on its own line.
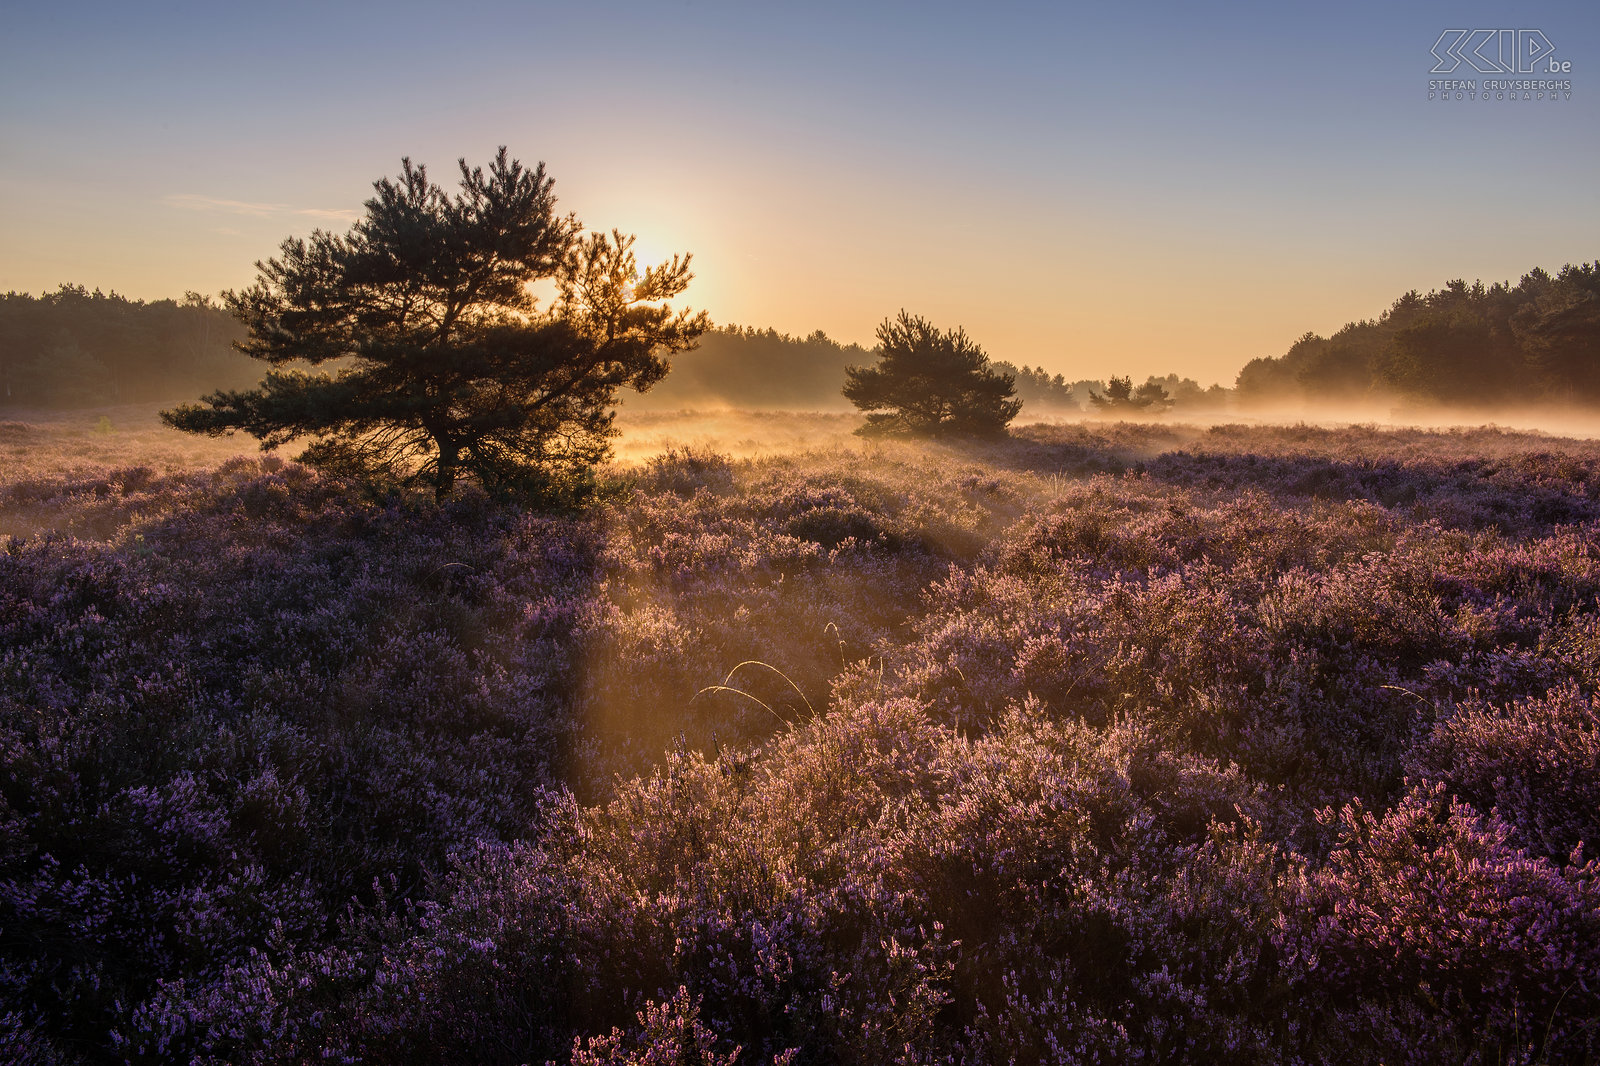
x=1054 y=394
x=77 y=348
x=1465 y=346
x=744 y=366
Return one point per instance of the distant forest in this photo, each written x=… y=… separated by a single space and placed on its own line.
x=1462 y=346
x=76 y=348
x=741 y=366
x=1044 y=393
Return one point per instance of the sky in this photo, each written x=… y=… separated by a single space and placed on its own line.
x=1138 y=189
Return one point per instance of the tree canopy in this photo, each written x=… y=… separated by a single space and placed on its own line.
x=80 y=348
x=1121 y=397
x=1483 y=346
x=429 y=356
x=930 y=382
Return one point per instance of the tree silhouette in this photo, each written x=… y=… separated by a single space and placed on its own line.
x=1475 y=346
x=1121 y=397
x=445 y=365
x=930 y=383
x=1559 y=326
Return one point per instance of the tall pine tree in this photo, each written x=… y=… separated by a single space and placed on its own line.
x=429 y=357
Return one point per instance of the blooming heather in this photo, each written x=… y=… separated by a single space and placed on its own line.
x=1104 y=743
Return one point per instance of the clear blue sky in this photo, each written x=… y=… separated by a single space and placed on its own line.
x=1139 y=189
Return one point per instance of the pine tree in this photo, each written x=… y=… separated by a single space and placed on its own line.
x=442 y=363
x=1122 y=398
x=930 y=383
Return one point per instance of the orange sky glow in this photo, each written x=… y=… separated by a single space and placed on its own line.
x=1138 y=213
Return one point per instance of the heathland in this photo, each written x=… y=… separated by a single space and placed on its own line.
x=1100 y=743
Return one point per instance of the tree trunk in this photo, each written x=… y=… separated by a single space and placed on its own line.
x=444 y=477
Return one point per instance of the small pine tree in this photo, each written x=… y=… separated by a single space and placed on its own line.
x=930 y=383
x=1122 y=398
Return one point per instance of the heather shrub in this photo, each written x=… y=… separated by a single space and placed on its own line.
x=1536 y=764
x=1574 y=644
x=988 y=639
x=833 y=526
x=669 y=1033
x=1090 y=745
x=1115 y=529
x=685 y=471
x=1431 y=904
